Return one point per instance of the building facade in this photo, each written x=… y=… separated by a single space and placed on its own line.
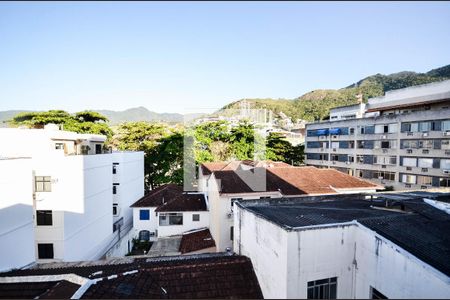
x=80 y=193
x=401 y=140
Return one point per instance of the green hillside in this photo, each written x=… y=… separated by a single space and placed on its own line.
x=316 y=105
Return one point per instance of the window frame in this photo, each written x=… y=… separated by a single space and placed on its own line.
x=44 y=218
x=195 y=216
x=43 y=248
x=42 y=184
x=144 y=214
x=319 y=285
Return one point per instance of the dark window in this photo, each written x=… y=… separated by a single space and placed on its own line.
x=264 y=197
x=43 y=183
x=98 y=148
x=44 y=218
x=195 y=217
x=115 y=188
x=115 y=165
x=115 y=209
x=144 y=235
x=385 y=144
x=375 y=294
x=45 y=251
x=144 y=214
x=352 y=130
x=322 y=289
x=444 y=182
x=231 y=232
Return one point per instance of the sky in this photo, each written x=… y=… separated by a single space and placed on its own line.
x=198 y=56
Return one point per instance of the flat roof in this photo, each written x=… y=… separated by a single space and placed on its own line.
x=409 y=222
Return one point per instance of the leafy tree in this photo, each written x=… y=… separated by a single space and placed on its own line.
x=82 y=122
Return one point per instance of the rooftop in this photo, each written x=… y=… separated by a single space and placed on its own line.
x=216 y=275
x=388 y=215
x=196 y=240
x=286 y=179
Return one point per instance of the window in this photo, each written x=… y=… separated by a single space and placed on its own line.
x=384 y=175
x=411 y=179
x=43 y=183
x=360 y=159
x=444 y=182
x=426 y=144
x=362 y=130
x=44 y=218
x=98 y=148
x=413 y=144
x=322 y=289
x=446 y=125
x=385 y=145
x=409 y=162
x=393 y=128
x=115 y=188
x=170 y=219
x=115 y=209
x=114 y=168
x=425 y=162
x=424 y=126
x=424 y=180
x=195 y=217
x=334 y=145
x=144 y=235
x=334 y=157
x=231 y=232
x=352 y=130
x=45 y=251
x=375 y=294
x=445 y=164
x=144 y=214
x=59 y=146
x=385 y=160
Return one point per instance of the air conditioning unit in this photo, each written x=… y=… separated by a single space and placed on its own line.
x=408 y=168
x=384 y=137
x=347 y=162
x=334 y=162
x=446 y=171
x=335 y=136
x=447 y=152
x=425 y=134
x=409 y=151
x=424 y=169
x=334 y=149
x=425 y=151
x=409 y=133
x=322 y=137
x=446 y=133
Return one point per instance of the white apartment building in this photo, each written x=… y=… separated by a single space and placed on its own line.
x=80 y=193
x=224 y=183
x=401 y=139
x=346 y=246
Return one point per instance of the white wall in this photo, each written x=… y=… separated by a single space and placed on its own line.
x=188 y=224
x=150 y=225
x=266 y=245
x=16 y=214
x=285 y=261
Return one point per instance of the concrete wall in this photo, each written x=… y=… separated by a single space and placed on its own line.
x=16 y=214
x=266 y=245
x=150 y=225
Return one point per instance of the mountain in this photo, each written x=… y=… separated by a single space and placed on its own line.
x=316 y=104
x=116 y=117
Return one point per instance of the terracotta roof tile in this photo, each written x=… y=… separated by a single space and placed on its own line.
x=184 y=202
x=196 y=240
x=159 y=195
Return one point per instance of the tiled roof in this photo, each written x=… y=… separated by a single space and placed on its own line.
x=420 y=228
x=44 y=290
x=197 y=240
x=159 y=195
x=210 y=167
x=182 y=277
x=288 y=180
x=184 y=202
x=238 y=182
x=312 y=180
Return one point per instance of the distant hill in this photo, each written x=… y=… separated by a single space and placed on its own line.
x=116 y=117
x=316 y=104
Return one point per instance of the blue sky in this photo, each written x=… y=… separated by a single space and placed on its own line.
x=198 y=56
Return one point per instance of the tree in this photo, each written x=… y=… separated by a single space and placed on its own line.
x=81 y=122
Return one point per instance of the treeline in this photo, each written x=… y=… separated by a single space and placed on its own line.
x=164 y=144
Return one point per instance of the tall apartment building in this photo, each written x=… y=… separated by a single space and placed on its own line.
x=79 y=194
x=401 y=139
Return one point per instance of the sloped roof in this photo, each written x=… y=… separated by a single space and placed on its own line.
x=159 y=195
x=184 y=202
x=196 y=240
x=312 y=180
x=181 y=277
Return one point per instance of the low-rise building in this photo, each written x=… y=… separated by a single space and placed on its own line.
x=167 y=211
x=224 y=183
x=347 y=246
x=80 y=193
